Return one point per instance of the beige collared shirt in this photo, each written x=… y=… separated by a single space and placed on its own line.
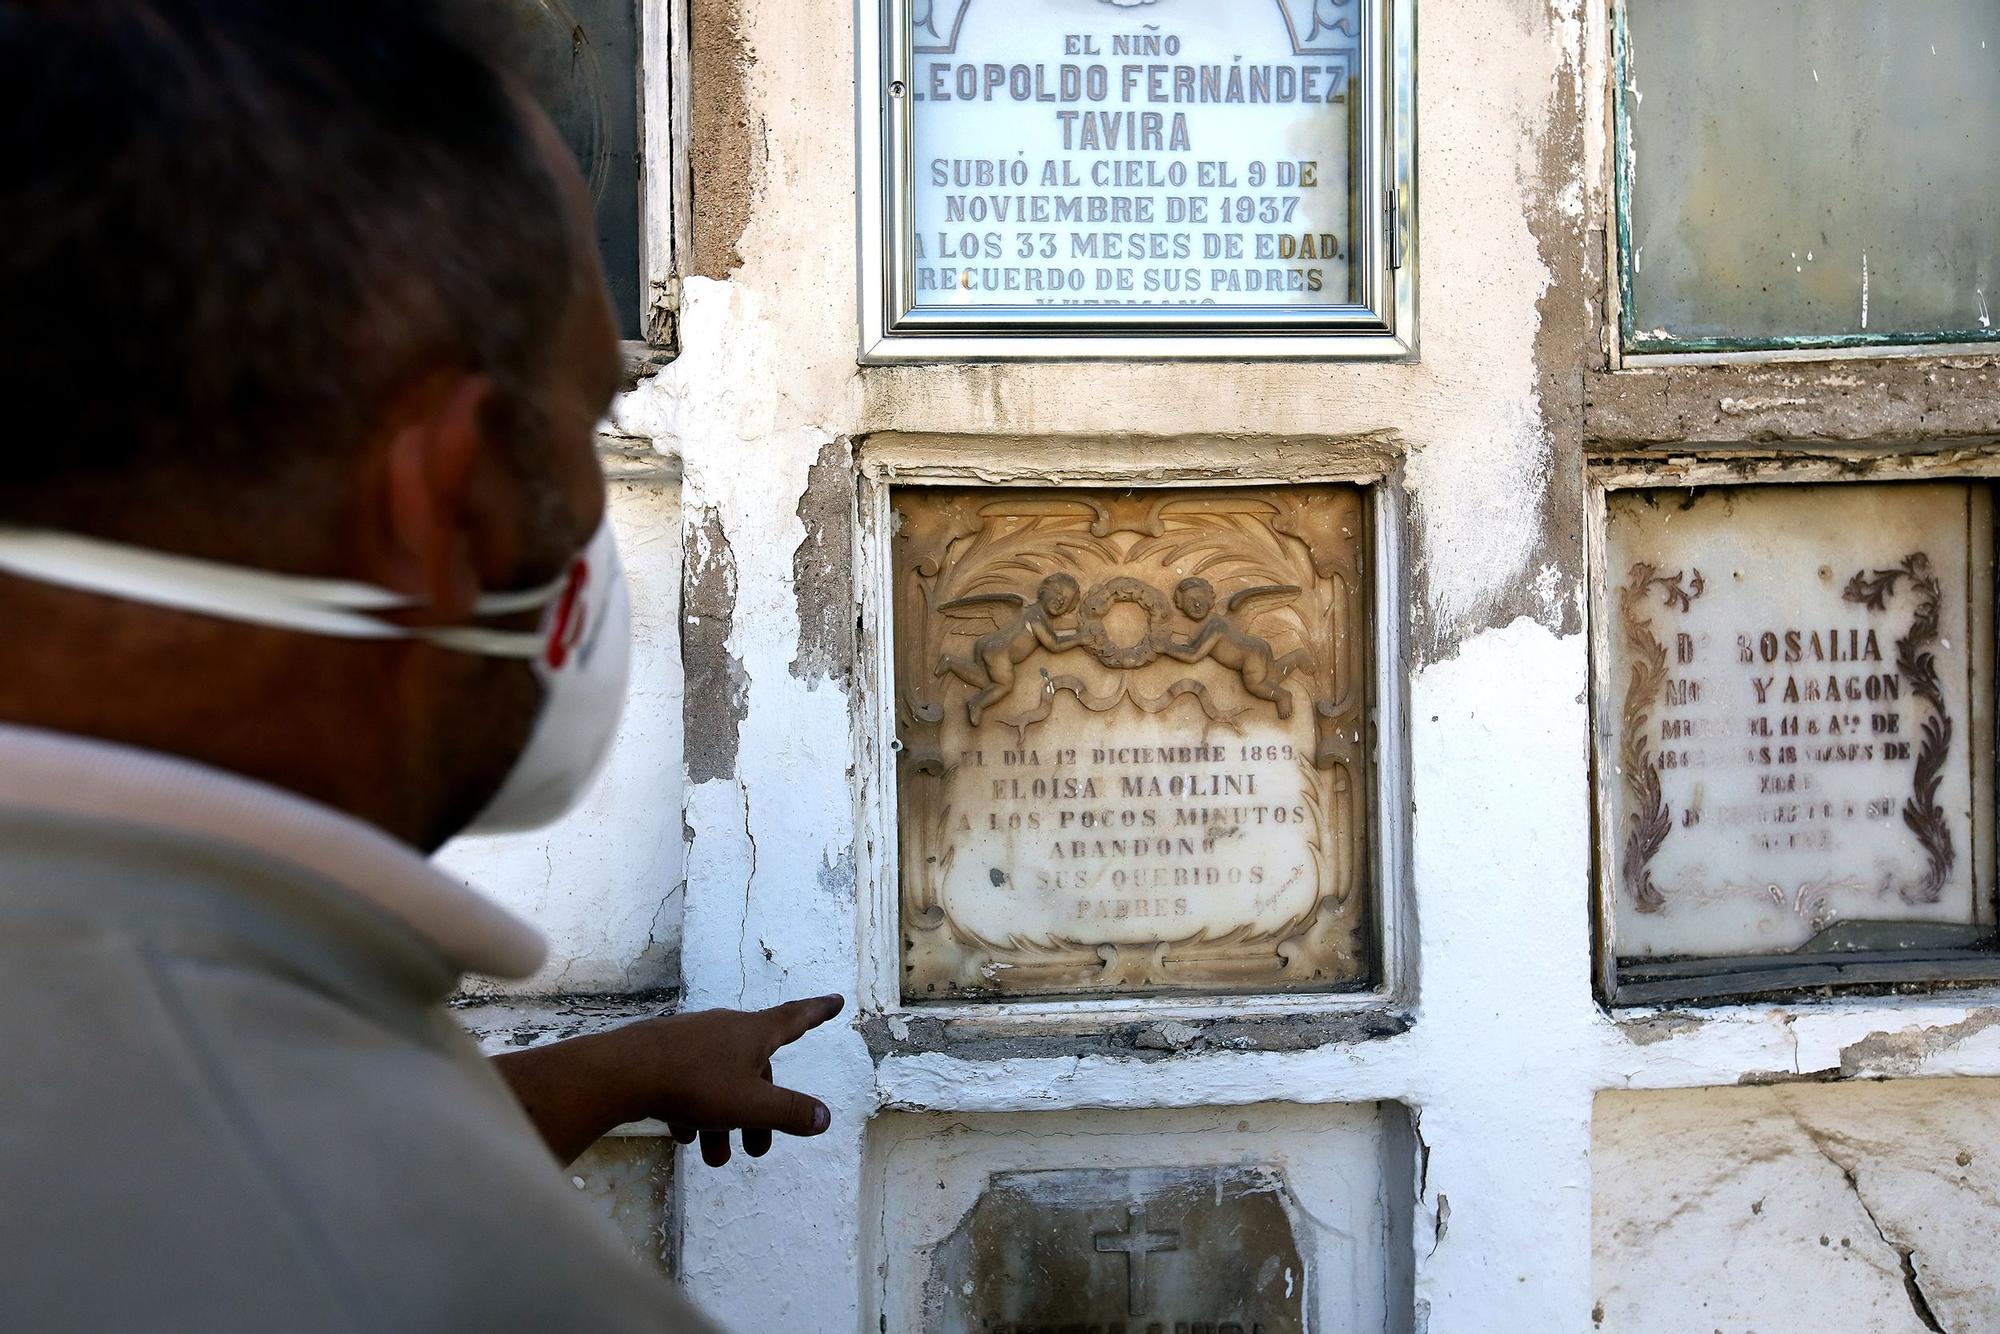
x=230 y=1098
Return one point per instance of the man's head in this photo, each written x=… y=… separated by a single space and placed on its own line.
x=301 y=285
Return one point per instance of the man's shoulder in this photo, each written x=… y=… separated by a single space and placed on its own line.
x=358 y=1164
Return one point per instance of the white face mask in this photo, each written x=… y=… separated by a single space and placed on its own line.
x=581 y=653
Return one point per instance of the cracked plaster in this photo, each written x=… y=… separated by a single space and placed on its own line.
x=603 y=885
x=1859 y=1207
x=1487 y=433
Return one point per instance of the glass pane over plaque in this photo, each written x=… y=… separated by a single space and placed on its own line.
x=1808 y=172
x=579 y=60
x=1798 y=718
x=1066 y=166
x=1181 y=1248
x=1133 y=741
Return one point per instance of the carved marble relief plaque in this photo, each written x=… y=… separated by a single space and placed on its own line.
x=1132 y=729
x=1123 y=1251
x=1799 y=689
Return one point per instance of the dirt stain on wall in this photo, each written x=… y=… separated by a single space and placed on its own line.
x=717 y=696
x=823 y=567
x=722 y=138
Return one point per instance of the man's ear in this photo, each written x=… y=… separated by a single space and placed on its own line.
x=434 y=446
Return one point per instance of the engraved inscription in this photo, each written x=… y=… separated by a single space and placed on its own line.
x=1182 y=1250
x=1196 y=154
x=1795 y=670
x=1132 y=740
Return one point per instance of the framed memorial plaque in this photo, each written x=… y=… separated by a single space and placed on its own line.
x=1098 y=178
x=1211 y=1220
x=1133 y=733
x=1795 y=746
x=1209 y=1248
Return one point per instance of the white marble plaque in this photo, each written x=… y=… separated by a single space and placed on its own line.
x=1108 y=154
x=1132 y=740
x=1798 y=696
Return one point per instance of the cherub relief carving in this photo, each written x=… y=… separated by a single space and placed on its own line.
x=1216 y=635
x=990 y=667
x=992 y=585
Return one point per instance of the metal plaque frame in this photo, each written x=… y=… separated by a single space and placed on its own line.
x=1876 y=956
x=1381 y=327
x=1637 y=347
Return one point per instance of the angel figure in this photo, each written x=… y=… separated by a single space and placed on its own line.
x=1216 y=636
x=990 y=666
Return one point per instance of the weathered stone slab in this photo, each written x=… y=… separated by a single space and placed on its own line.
x=1279 y=1217
x=1132 y=740
x=1135 y=1251
x=1798 y=690
x=1866 y=1208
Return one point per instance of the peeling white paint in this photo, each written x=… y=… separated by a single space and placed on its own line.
x=604 y=884
x=1508 y=1047
x=1861 y=1208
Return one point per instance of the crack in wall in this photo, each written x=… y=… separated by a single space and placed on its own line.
x=1913 y=1288
x=658 y=964
x=743 y=922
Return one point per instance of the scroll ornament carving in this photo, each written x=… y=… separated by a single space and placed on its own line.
x=1314 y=27
x=1922 y=814
x=1650 y=819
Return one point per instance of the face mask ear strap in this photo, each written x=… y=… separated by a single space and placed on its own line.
x=526 y=599
x=523 y=644
x=189 y=583
x=338 y=607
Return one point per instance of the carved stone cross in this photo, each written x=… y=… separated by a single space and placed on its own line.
x=1135 y=1243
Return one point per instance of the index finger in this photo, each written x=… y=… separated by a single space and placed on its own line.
x=794 y=1019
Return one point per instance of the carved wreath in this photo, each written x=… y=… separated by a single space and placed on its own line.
x=1101 y=599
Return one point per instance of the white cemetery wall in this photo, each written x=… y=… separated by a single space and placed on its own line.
x=1499 y=1046
x=765 y=407
x=604 y=885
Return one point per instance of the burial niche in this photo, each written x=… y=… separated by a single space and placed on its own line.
x=1133 y=731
